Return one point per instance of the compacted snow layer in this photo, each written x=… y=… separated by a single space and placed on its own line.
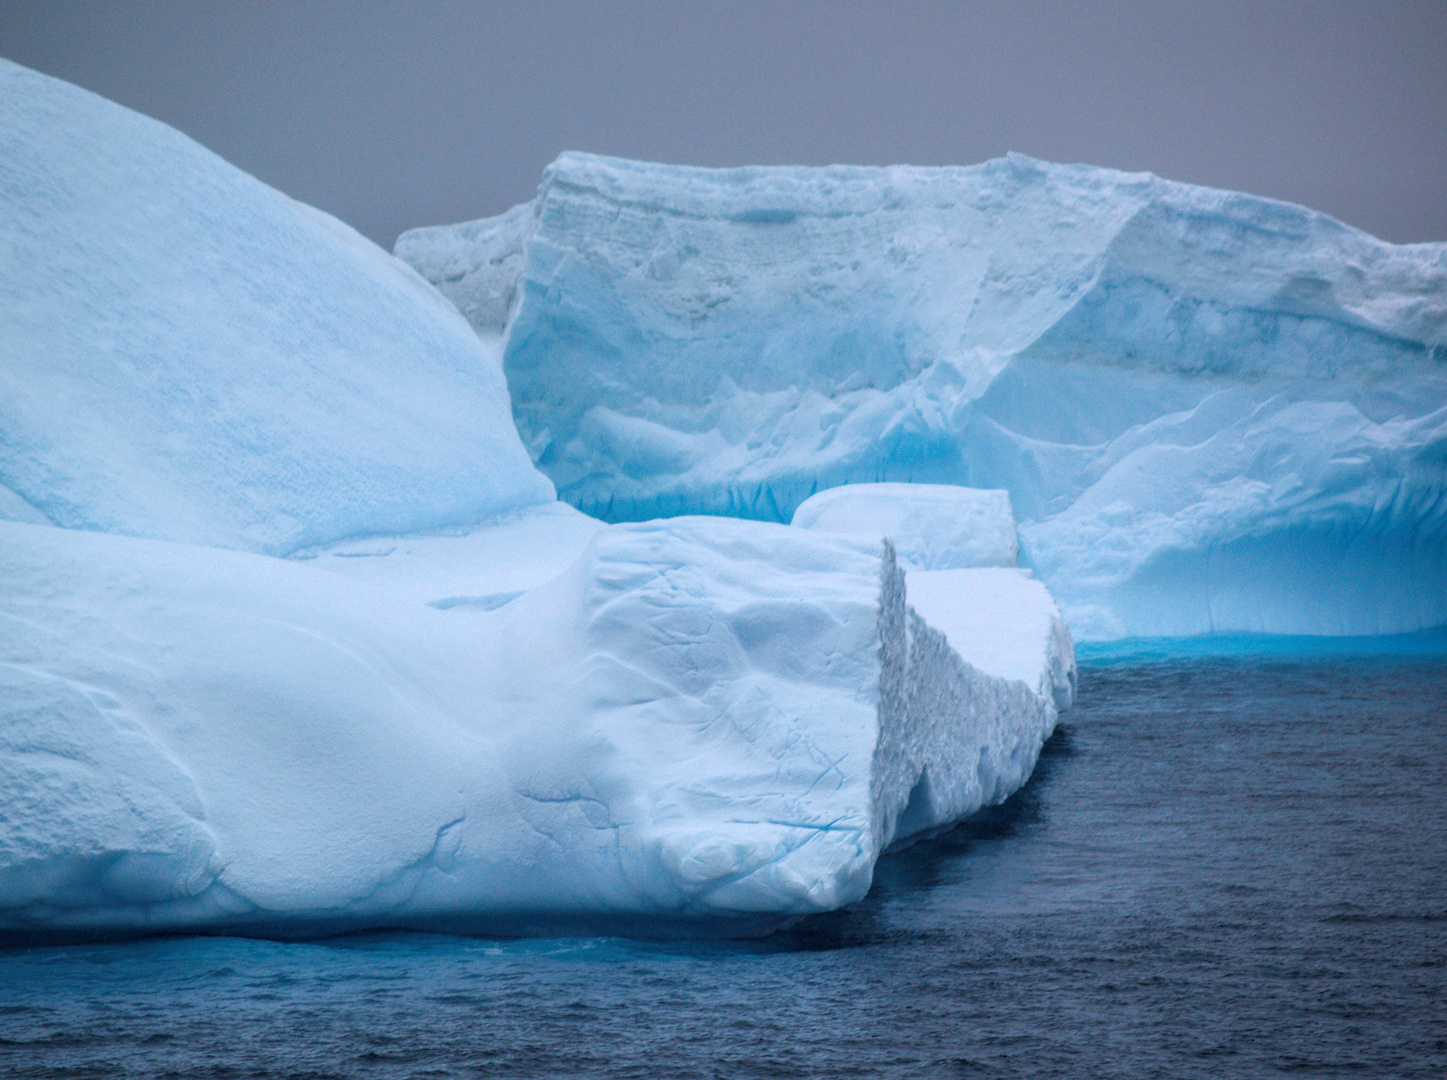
x=932 y=526
x=698 y=722
x=1213 y=412
x=190 y=355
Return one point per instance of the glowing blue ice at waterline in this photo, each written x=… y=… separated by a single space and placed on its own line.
x=1213 y=412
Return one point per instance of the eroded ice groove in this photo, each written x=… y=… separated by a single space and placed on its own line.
x=700 y=723
x=1213 y=412
x=190 y=355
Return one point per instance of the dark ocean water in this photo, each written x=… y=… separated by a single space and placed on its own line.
x=1223 y=867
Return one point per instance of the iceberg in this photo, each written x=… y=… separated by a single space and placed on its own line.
x=190 y=355
x=700 y=724
x=1212 y=412
x=295 y=639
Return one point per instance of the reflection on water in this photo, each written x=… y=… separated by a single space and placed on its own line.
x=1222 y=867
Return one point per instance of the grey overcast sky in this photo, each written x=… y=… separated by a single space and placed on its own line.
x=395 y=114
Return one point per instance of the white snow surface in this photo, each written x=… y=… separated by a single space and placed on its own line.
x=932 y=526
x=1213 y=412
x=957 y=547
x=190 y=355
x=482 y=567
x=1004 y=622
x=698 y=722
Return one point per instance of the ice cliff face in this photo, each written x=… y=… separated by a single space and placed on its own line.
x=957 y=547
x=1212 y=412
x=190 y=355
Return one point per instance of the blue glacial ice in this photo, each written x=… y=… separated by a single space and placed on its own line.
x=1212 y=412
x=294 y=638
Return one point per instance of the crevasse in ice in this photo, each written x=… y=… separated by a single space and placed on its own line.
x=1212 y=412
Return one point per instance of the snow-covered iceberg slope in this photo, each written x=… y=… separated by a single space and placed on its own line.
x=459 y=703
x=1213 y=412
x=700 y=722
x=190 y=355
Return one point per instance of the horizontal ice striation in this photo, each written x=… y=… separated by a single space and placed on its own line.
x=701 y=724
x=190 y=355
x=1213 y=412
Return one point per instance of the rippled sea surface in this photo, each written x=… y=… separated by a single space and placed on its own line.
x=1222 y=868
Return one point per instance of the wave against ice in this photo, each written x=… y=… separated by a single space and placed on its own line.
x=1213 y=412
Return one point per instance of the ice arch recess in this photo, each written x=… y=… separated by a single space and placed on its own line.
x=1212 y=412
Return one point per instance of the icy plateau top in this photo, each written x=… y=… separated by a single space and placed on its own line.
x=1212 y=412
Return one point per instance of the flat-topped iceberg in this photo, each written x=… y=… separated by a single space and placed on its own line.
x=1212 y=412
x=700 y=723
